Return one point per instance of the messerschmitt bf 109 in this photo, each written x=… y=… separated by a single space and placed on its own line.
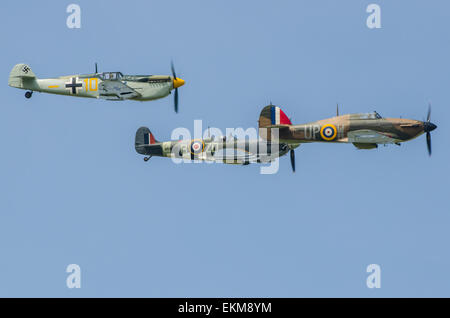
x=364 y=131
x=105 y=85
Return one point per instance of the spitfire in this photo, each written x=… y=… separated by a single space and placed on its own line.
x=106 y=85
x=223 y=150
x=364 y=130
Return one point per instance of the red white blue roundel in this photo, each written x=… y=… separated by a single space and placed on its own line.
x=197 y=146
x=328 y=132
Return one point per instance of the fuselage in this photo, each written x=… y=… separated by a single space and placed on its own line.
x=231 y=151
x=354 y=128
x=150 y=87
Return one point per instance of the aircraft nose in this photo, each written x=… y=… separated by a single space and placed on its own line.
x=427 y=127
x=177 y=82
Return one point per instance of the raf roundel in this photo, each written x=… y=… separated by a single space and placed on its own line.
x=328 y=132
x=197 y=147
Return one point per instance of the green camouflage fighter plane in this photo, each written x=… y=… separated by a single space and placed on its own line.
x=106 y=85
x=223 y=150
x=365 y=130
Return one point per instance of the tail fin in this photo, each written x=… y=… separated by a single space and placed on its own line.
x=144 y=137
x=20 y=76
x=272 y=115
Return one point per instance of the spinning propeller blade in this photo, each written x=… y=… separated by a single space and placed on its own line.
x=428 y=127
x=172 y=67
x=176 y=100
x=293 y=160
x=429 y=143
x=177 y=82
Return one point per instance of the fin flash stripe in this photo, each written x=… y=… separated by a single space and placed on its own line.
x=278 y=117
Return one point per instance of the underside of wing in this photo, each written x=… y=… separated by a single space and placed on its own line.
x=116 y=90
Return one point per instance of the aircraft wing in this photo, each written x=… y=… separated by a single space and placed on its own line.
x=237 y=158
x=370 y=136
x=233 y=159
x=240 y=152
x=116 y=90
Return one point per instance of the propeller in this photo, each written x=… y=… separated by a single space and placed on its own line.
x=177 y=82
x=428 y=127
x=96 y=71
x=293 y=160
x=176 y=100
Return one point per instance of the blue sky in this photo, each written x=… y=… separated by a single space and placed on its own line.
x=73 y=190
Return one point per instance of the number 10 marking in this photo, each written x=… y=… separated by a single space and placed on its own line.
x=91 y=86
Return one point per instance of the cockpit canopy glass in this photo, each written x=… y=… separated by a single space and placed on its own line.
x=373 y=115
x=111 y=76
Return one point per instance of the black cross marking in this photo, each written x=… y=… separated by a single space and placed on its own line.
x=74 y=85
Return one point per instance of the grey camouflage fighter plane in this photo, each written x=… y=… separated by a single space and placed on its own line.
x=107 y=85
x=221 y=149
x=363 y=130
